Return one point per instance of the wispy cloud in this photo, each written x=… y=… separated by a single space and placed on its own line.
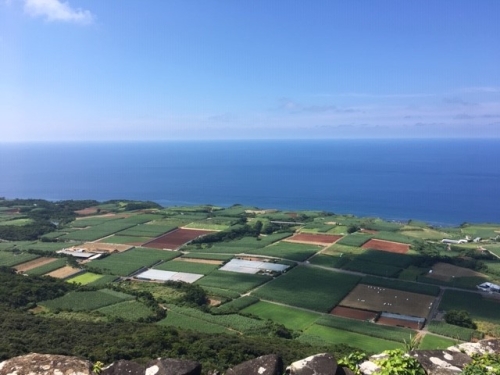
x=56 y=10
x=292 y=106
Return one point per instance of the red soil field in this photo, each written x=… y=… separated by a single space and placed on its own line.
x=391 y=247
x=357 y=314
x=398 y=323
x=176 y=238
x=322 y=239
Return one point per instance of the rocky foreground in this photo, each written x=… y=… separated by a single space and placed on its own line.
x=433 y=362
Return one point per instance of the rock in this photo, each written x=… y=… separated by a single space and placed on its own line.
x=266 y=365
x=45 y=364
x=441 y=362
x=319 y=364
x=123 y=367
x=481 y=347
x=368 y=367
x=171 y=366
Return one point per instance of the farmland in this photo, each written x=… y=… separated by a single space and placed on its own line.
x=79 y=301
x=287 y=250
x=125 y=263
x=176 y=238
x=188 y=267
x=238 y=282
x=310 y=288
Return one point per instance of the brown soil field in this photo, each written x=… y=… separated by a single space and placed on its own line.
x=391 y=247
x=176 y=238
x=314 y=239
x=398 y=323
x=33 y=264
x=374 y=298
x=357 y=314
x=87 y=211
x=196 y=260
x=104 y=215
x=214 y=302
x=445 y=272
x=65 y=272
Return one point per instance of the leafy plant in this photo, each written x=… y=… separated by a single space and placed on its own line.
x=352 y=361
x=412 y=344
x=397 y=362
x=485 y=364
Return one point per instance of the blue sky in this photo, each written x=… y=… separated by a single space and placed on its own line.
x=165 y=70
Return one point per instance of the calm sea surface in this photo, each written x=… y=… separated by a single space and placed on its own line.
x=439 y=181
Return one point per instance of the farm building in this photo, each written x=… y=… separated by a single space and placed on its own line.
x=159 y=275
x=252 y=266
x=489 y=287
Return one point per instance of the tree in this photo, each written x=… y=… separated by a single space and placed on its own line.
x=460 y=318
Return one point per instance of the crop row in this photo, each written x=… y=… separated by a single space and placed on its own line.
x=46 y=268
x=86 y=301
x=239 y=282
x=449 y=330
x=406 y=286
x=310 y=288
x=9 y=259
x=236 y=305
x=355 y=239
x=366 y=328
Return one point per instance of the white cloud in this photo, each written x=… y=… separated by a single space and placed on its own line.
x=56 y=10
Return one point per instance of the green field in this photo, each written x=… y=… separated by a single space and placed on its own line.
x=238 y=282
x=288 y=316
x=246 y=244
x=181 y=321
x=430 y=342
x=397 y=334
x=34 y=245
x=10 y=259
x=119 y=239
x=332 y=261
x=317 y=334
x=17 y=222
x=188 y=267
x=234 y=306
x=309 y=287
x=81 y=301
x=127 y=310
x=385 y=270
x=206 y=225
x=449 y=330
x=98 y=231
x=87 y=278
x=46 y=268
x=125 y=263
x=208 y=256
x=385 y=257
x=355 y=239
x=147 y=230
x=287 y=250
x=479 y=307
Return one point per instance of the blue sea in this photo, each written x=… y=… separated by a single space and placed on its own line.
x=443 y=182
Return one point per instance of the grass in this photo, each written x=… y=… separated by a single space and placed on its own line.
x=188 y=267
x=238 y=282
x=17 y=222
x=246 y=244
x=288 y=316
x=46 y=268
x=394 y=237
x=234 y=306
x=86 y=278
x=386 y=270
x=10 y=259
x=309 y=287
x=327 y=335
x=205 y=225
x=430 y=342
x=147 y=230
x=222 y=257
x=125 y=263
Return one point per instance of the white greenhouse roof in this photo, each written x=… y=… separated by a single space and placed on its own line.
x=252 y=266
x=169 y=276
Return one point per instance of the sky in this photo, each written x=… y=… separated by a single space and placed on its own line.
x=132 y=70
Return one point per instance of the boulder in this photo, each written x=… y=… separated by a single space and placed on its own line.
x=441 y=362
x=45 y=364
x=172 y=366
x=265 y=365
x=319 y=364
x=480 y=347
x=123 y=367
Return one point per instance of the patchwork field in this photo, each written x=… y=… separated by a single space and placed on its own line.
x=374 y=298
x=64 y=272
x=239 y=282
x=392 y=247
x=445 y=272
x=10 y=259
x=176 y=238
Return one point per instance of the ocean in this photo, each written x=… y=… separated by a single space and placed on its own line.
x=442 y=182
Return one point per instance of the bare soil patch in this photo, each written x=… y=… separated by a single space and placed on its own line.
x=97 y=247
x=369 y=231
x=33 y=264
x=314 y=239
x=214 y=302
x=64 y=272
x=398 y=323
x=176 y=238
x=445 y=272
x=391 y=247
x=196 y=260
x=87 y=211
x=357 y=314
x=374 y=298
